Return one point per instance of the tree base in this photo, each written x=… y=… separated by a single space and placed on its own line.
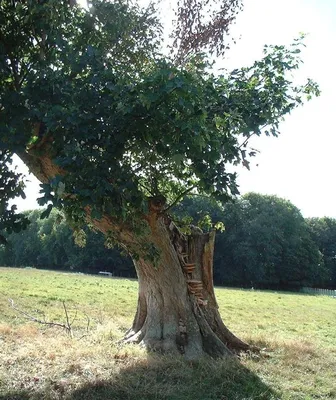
x=176 y=340
x=177 y=311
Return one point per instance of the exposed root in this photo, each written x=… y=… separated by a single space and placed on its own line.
x=233 y=342
x=211 y=342
x=135 y=337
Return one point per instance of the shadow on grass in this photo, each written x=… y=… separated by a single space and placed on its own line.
x=158 y=378
x=15 y=395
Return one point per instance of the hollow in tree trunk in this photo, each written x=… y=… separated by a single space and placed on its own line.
x=177 y=310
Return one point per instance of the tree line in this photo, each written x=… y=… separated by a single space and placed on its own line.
x=263 y=242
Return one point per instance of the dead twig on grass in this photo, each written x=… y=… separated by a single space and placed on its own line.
x=67 y=319
x=67 y=326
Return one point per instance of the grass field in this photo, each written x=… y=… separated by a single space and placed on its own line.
x=38 y=362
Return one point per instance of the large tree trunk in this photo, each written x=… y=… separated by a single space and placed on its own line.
x=177 y=311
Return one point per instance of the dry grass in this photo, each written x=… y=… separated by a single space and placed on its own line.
x=296 y=331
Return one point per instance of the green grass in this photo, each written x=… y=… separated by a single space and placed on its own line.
x=297 y=331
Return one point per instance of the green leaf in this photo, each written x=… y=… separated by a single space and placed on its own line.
x=178 y=158
x=46 y=212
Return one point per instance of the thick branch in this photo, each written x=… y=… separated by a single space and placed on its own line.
x=44 y=169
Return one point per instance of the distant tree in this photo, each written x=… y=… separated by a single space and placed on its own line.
x=118 y=133
x=323 y=231
x=267 y=243
x=51 y=243
x=23 y=247
x=11 y=186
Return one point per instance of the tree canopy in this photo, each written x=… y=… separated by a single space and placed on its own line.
x=91 y=90
x=269 y=243
x=51 y=243
x=323 y=231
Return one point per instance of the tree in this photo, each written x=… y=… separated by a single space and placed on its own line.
x=118 y=133
x=267 y=243
x=323 y=231
x=51 y=243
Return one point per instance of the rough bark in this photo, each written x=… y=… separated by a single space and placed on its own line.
x=177 y=309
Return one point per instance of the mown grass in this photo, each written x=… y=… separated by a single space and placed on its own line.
x=297 y=331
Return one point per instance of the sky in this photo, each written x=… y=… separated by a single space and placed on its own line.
x=299 y=165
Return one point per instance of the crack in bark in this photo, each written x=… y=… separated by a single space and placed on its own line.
x=182 y=286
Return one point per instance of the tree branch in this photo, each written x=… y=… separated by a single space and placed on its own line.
x=146 y=188
x=67 y=326
x=67 y=319
x=179 y=197
x=246 y=140
x=15 y=73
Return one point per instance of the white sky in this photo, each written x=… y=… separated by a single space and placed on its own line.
x=299 y=165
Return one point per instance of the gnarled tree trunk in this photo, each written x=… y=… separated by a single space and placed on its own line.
x=177 y=309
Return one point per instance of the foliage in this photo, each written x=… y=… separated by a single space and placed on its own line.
x=203 y=26
x=11 y=186
x=50 y=243
x=323 y=232
x=90 y=91
x=270 y=243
